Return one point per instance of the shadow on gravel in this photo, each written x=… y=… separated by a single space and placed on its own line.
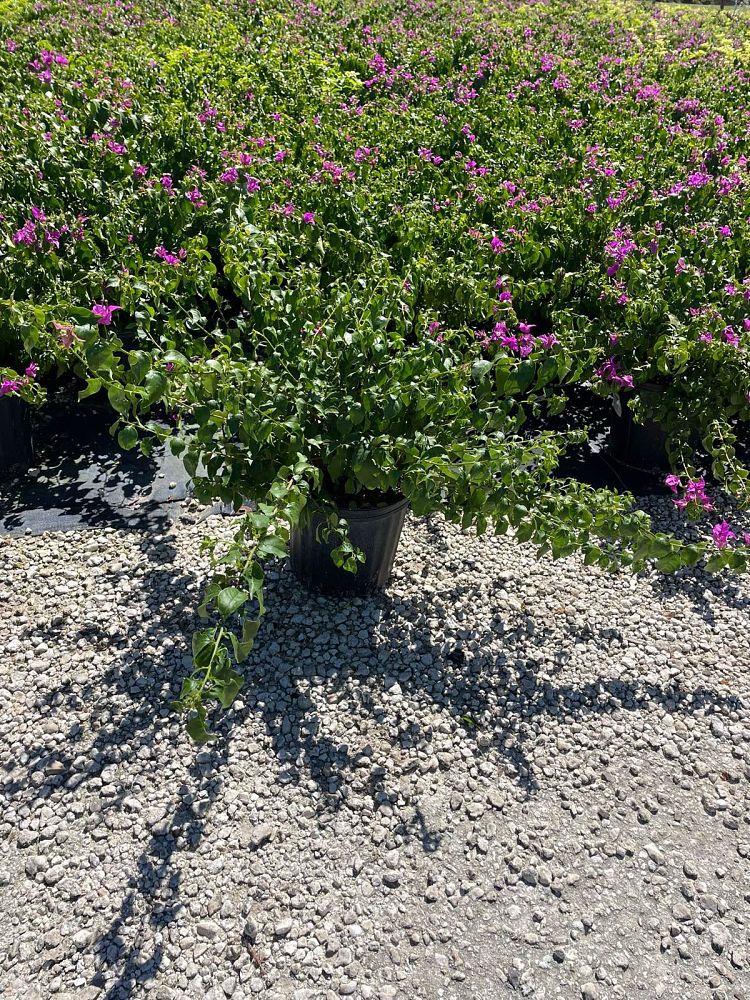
x=494 y=697
x=703 y=593
x=147 y=677
x=157 y=882
x=702 y=589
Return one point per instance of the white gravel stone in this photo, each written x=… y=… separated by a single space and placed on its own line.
x=499 y=776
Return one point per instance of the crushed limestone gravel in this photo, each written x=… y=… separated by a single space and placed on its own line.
x=501 y=777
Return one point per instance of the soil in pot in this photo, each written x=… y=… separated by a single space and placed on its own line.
x=375 y=530
x=16 y=445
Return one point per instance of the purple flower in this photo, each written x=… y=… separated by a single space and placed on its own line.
x=434 y=328
x=548 y=340
x=52 y=236
x=619 y=247
x=525 y=345
x=26 y=234
x=309 y=218
x=195 y=197
x=253 y=185
x=104 y=312
x=229 y=176
x=32 y=370
x=609 y=371
x=695 y=492
x=9 y=386
x=721 y=534
x=650 y=92
x=66 y=334
x=170 y=258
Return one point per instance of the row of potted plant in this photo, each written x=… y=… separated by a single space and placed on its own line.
x=338 y=256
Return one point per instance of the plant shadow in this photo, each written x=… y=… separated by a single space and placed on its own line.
x=83 y=479
x=491 y=697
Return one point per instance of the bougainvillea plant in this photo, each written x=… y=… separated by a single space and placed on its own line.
x=360 y=405
x=350 y=249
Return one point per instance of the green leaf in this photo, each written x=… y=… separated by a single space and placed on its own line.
x=715 y=564
x=92 y=387
x=202 y=639
x=100 y=357
x=670 y=563
x=480 y=368
x=227 y=690
x=242 y=646
x=191 y=464
x=118 y=399
x=525 y=531
x=139 y=365
x=520 y=378
x=127 y=438
x=155 y=385
x=196 y=727
x=175 y=358
x=272 y=545
x=229 y=600
x=592 y=555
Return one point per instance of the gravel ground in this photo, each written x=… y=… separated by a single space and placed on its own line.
x=499 y=778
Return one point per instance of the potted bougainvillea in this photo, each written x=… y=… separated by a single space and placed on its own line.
x=17 y=391
x=673 y=311
x=363 y=412
x=348 y=264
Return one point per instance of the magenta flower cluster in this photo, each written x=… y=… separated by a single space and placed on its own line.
x=609 y=370
x=13 y=386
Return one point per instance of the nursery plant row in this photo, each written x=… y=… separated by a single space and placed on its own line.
x=346 y=256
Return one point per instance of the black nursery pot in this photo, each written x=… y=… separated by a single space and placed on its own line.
x=16 y=446
x=374 y=530
x=641 y=446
